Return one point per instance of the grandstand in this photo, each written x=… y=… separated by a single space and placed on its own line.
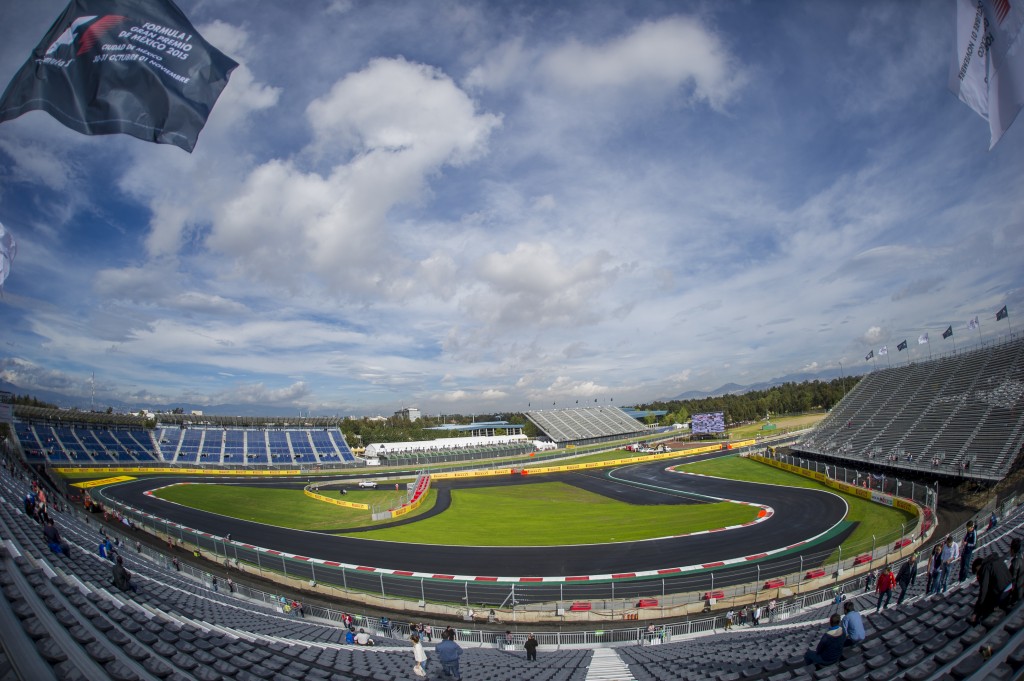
x=445 y=449
x=93 y=444
x=585 y=425
x=955 y=416
x=61 y=618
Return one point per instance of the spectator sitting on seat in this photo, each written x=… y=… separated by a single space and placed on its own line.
x=363 y=639
x=995 y=588
x=123 y=578
x=350 y=636
x=52 y=536
x=853 y=625
x=830 y=647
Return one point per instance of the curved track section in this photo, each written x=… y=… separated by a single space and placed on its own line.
x=800 y=516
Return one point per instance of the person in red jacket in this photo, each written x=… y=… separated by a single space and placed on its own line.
x=886 y=582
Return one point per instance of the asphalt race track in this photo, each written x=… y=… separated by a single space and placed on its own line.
x=799 y=514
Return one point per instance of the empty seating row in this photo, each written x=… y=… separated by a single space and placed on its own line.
x=961 y=415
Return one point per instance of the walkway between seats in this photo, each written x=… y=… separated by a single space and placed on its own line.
x=606 y=665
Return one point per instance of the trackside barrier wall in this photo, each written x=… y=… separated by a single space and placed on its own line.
x=679 y=591
x=330 y=500
x=419 y=495
x=470 y=635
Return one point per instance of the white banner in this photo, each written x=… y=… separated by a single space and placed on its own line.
x=987 y=71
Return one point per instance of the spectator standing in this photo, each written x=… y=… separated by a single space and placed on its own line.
x=995 y=588
x=743 y=616
x=853 y=625
x=755 y=615
x=1016 y=569
x=886 y=582
x=418 y=655
x=934 y=570
x=231 y=585
x=950 y=558
x=771 y=609
x=906 y=576
x=869 y=581
x=967 y=545
x=728 y=619
x=531 y=648
x=448 y=652
x=830 y=647
x=214 y=582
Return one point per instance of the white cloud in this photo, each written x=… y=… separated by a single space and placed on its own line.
x=670 y=52
x=528 y=205
x=395 y=124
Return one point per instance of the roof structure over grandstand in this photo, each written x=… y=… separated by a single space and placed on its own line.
x=584 y=425
x=480 y=428
x=960 y=415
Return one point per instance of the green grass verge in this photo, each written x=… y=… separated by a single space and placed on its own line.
x=553 y=513
x=540 y=514
x=283 y=507
x=872 y=519
x=783 y=424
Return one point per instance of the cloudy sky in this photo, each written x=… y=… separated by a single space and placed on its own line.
x=476 y=206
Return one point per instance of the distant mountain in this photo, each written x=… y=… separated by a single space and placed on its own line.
x=736 y=389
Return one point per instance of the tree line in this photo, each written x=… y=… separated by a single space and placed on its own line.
x=780 y=400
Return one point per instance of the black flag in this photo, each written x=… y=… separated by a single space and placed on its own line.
x=902 y=346
x=1002 y=314
x=122 y=66
x=867 y=357
x=948 y=332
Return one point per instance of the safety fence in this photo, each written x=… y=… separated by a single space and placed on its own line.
x=782 y=573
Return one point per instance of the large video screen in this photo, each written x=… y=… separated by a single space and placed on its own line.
x=708 y=423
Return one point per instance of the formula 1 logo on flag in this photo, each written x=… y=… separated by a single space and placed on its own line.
x=122 y=66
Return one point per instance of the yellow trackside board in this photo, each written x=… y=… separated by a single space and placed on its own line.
x=104 y=481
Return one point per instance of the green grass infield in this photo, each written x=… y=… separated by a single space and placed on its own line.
x=539 y=514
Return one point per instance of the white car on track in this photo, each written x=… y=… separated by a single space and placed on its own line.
x=368 y=484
